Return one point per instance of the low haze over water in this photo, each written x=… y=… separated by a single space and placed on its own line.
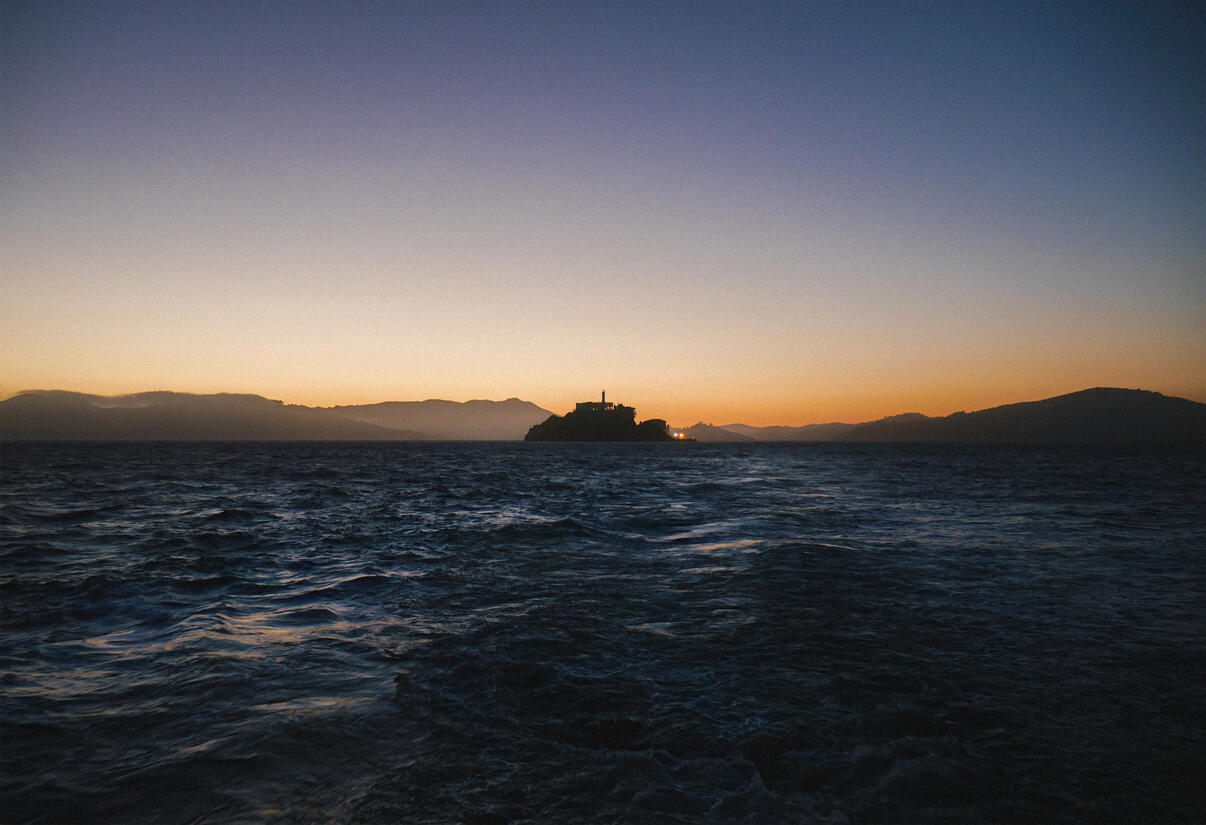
x=493 y=633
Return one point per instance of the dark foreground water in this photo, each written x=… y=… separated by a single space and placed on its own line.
x=551 y=633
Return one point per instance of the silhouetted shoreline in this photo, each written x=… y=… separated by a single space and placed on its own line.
x=1094 y=416
x=599 y=421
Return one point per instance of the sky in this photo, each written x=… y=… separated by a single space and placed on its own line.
x=764 y=212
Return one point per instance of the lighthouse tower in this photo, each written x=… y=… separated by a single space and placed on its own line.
x=595 y=406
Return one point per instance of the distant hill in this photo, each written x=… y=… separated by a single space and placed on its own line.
x=809 y=432
x=473 y=420
x=1097 y=416
x=164 y=416
x=707 y=432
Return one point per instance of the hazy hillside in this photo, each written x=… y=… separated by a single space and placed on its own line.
x=707 y=432
x=67 y=416
x=809 y=432
x=1096 y=416
x=507 y=420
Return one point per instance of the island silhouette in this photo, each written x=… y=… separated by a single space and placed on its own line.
x=600 y=421
x=1102 y=415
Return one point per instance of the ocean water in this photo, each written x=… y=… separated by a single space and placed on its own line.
x=605 y=633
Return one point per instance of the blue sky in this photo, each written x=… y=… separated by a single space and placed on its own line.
x=777 y=213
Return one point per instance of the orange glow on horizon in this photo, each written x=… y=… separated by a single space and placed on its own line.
x=440 y=212
x=853 y=406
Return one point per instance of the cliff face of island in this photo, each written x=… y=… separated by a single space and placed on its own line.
x=599 y=421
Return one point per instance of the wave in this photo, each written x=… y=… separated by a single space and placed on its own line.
x=244 y=633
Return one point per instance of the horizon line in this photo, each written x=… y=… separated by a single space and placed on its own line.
x=698 y=421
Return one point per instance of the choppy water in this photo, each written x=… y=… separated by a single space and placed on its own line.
x=493 y=633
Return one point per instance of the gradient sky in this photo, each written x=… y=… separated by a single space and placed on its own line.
x=775 y=213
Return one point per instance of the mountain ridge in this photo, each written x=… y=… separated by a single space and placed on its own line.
x=161 y=415
x=61 y=415
x=1100 y=415
x=475 y=420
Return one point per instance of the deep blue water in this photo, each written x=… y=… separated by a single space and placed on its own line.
x=643 y=633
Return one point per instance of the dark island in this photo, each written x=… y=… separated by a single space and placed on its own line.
x=600 y=421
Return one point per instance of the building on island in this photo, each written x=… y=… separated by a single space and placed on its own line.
x=599 y=421
x=605 y=408
x=595 y=406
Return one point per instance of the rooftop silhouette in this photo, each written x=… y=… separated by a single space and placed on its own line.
x=599 y=420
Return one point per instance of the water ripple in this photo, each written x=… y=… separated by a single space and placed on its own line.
x=490 y=633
